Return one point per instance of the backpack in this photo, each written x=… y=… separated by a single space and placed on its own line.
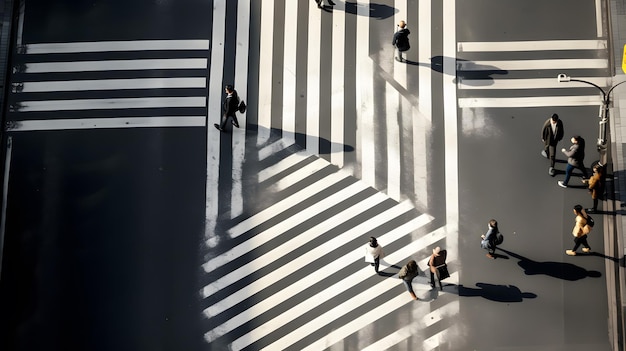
x=242 y=107
x=499 y=238
x=590 y=221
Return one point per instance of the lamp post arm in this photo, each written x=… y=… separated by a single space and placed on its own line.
x=604 y=95
x=613 y=87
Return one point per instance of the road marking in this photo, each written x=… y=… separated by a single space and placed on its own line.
x=110 y=46
x=450 y=115
x=294 y=243
x=532 y=45
x=290 y=51
x=599 y=30
x=394 y=166
x=113 y=84
x=535 y=101
x=313 y=80
x=533 y=83
x=337 y=118
x=297 y=176
x=514 y=65
x=107 y=123
x=115 y=65
x=282 y=165
x=352 y=303
x=265 y=72
x=102 y=104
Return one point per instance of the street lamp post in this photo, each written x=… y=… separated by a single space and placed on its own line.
x=604 y=113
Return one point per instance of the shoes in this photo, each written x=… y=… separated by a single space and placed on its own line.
x=544 y=154
x=584 y=180
x=235 y=123
x=217 y=126
x=551 y=171
x=570 y=252
x=398 y=59
x=586 y=249
x=413 y=296
x=491 y=256
x=590 y=210
x=561 y=184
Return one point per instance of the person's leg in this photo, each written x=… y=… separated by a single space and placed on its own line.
x=432 y=279
x=376 y=263
x=409 y=288
x=235 y=122
x=595 y=204
x=552 y=154
x=584 y=170
x=568 y=173
x=583 y=241
x=224 y=121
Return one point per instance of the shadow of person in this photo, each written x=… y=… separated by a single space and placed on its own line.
x=498 y=293
x=560 y=270
x=376 y=11
x=467 y=72
x=614 y=259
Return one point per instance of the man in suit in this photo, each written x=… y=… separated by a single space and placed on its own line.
x=229 y=108
x=551 y=133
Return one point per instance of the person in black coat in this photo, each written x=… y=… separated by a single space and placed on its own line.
x=401 y=40
x=551 y=133
x=229 y=108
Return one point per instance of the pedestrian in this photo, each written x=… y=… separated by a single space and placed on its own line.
x=490 y=238
x=575 y=157
x=551 y=133
x=320 y=3
x=407 y=273
x=436 y=263
x=580 y=231
x=373 y=253
x=401 y=40
x=596 y=186
x=229 y=108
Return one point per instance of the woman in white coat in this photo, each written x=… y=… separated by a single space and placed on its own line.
x=373 y=253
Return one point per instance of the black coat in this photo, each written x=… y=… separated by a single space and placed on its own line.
x=231 y=104
x=401 y=39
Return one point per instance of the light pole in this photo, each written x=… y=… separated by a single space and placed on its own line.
x=604 y=113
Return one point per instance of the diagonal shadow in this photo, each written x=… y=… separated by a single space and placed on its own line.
x=560 y=270
x=498 y=293
x=376 y=11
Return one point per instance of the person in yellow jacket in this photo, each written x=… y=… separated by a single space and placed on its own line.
x=580 y=231
x=596 y=186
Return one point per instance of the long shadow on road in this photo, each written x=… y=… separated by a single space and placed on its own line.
x=560 y=270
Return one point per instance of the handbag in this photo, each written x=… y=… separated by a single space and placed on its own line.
x=442 y=272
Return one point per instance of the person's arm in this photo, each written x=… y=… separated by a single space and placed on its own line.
x=571 y=151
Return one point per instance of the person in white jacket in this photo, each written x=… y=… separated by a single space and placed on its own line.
x=373 y=252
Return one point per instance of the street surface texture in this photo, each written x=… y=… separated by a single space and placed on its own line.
x=133 y=224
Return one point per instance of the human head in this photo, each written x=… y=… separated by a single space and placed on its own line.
x=412 y=265
x=578 y=209
x=373 y=242
x=493 y=223
x=554 y=118
x=436 y=251
x=229 y=88
x=598 y=168
x=401 y=24
x=576 y=139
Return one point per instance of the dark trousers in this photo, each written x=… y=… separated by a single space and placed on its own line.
x=225 y=120
x=570 y=168
x=376 y=264
x=551 y=152
x=582 y=240
x=408 y=285
x=432 y=280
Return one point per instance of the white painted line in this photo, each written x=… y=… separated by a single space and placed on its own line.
x=313 y=80
x=241 y=85
x=309 y=257
x=421 y=128
x=447 y=310
x=536 y=101
x=400 y=69
x=115 y=65
x=283 y=165
x=514 y=65
x=114 y=84
x=364 y=98
x=297 y=176
x=105 y=104
x=532 y=45
x=324 y=272
x=110 y=46
x=214 y=108
x=273 y=148
x=599 y=30
x=450 y=113
x=294 y=243
x=108 y=123
x=20 y=24
x=532 y=83
x=393 y=339
x=424 y=55
x=265 y=72
x=290 y=45
x=351 y=304
x=286 y=203
x=433 y=342
x=337 y=118
x=394 y=167
x=5 y=194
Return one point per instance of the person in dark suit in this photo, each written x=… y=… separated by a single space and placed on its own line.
x=437 y=259
x=229 y=108
x=401 y=40
x=551 y=133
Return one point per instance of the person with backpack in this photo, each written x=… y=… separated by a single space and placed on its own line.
x=491 y=239
x=401 y=40
x=582 y=227
x=229 y=108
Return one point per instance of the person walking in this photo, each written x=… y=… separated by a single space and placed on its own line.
x=490 y=238
x=580 y=231
x=596 y=186
x=401 y=40
x=407 y=273
x=373 y=253
x=229 y=108
x=575 y=157
x=437 y=259
x=551 y=133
